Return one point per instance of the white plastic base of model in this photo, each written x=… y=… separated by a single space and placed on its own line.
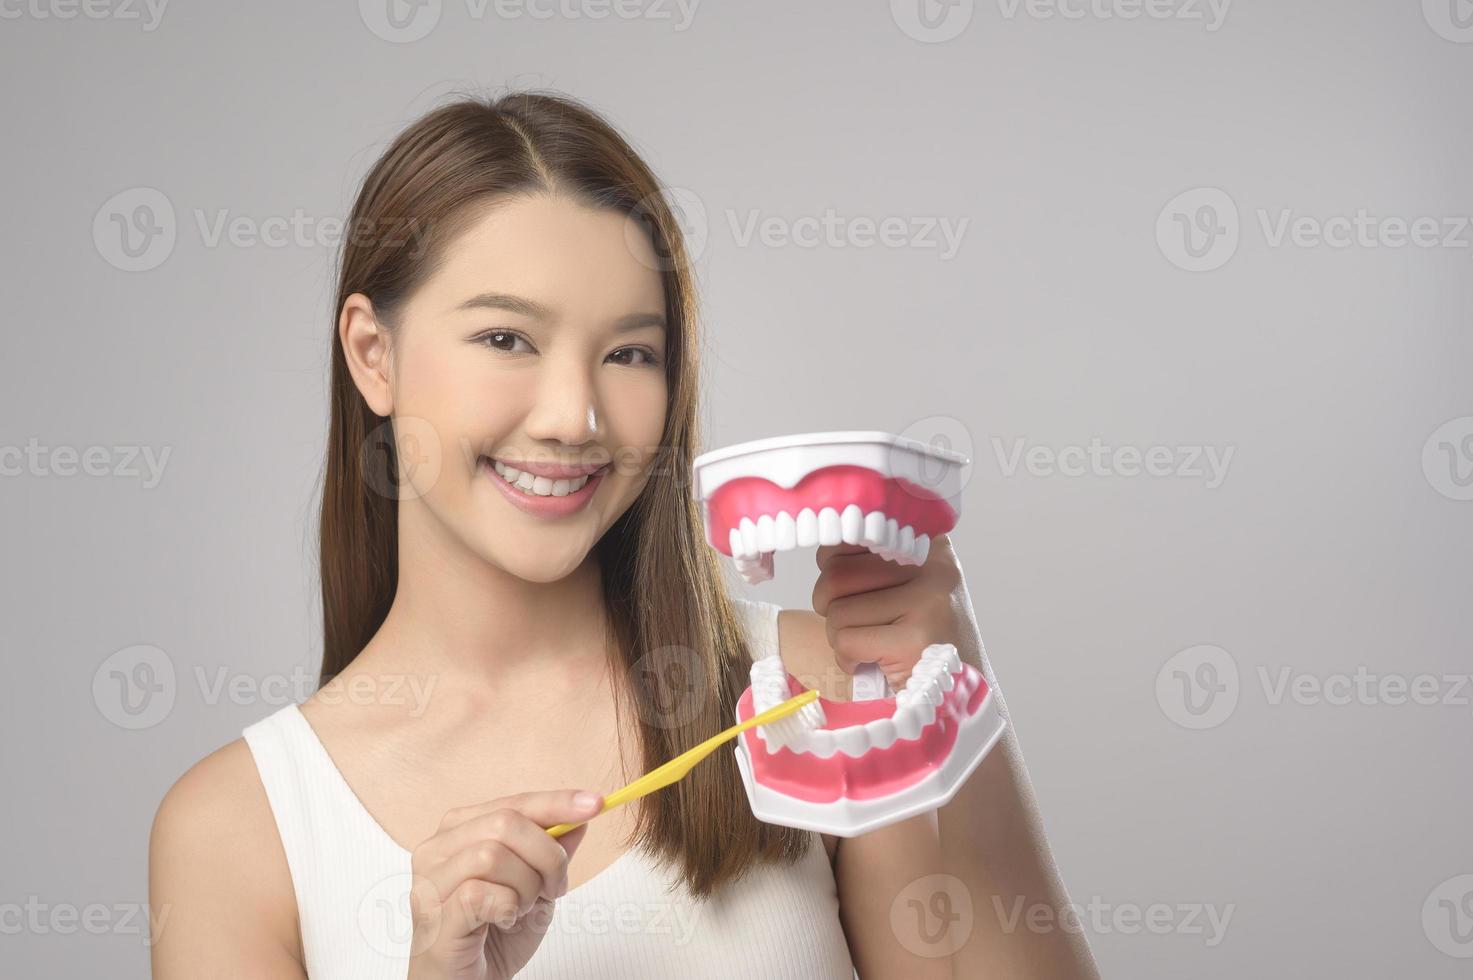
x=869 y=682
x=850 y=818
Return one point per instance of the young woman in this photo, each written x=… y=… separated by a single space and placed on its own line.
x=513 y=292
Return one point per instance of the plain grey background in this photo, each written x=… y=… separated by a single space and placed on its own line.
x=1241 y=691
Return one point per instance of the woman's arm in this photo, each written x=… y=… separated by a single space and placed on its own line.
x=993 y=860
x=873 y=870
x=220 y=892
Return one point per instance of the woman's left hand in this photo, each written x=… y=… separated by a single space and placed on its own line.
x=879 y=611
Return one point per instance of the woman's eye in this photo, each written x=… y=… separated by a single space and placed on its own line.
x=504 y=340
x=624 y=354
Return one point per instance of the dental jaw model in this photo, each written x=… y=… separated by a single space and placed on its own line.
x=847 y=768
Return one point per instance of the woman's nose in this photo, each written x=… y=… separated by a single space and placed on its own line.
x=566 y=408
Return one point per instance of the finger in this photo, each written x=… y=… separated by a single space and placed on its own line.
x=475 y=904
x=889 y=646
x=528 y=839
x=827 y=552
x=854 y=574
x=493 y=861
x=881 y=607
x=547 y=807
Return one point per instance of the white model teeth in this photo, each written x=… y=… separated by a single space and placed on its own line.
x=915 y=708
x=538 y=486
x=754 y=542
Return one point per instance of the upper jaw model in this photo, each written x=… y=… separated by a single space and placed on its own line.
x=846 y=768
x=886 y=492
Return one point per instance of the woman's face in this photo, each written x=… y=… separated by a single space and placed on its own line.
x=539 y=341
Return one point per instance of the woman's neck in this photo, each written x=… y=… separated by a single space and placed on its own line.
x=483 y=631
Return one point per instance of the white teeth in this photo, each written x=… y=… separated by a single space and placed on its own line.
x=878 y=532
x=807 y=528
x=915 y=708
x=540 y=486
x=829 y=531
x=749 y=536
x=785 y=531
x=765 y=540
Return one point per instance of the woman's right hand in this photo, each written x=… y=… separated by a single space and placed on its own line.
x=485 y=884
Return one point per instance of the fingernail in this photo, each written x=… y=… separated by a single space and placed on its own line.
x=585 y=800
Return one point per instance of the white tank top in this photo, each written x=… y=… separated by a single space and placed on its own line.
x=352 y=887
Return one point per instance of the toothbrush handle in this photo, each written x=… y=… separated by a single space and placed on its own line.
x=870 y=683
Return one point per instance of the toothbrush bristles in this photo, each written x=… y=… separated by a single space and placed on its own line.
x=787 y=730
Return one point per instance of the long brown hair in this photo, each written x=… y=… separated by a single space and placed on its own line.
x=671 y=620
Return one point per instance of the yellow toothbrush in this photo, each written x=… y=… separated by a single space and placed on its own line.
x=677 y=767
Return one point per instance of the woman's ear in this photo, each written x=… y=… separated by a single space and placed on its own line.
x=366 y=347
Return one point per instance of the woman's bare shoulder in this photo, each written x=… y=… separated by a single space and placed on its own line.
x=220 y=889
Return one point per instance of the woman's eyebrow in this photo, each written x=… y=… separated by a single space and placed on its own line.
x=636 y=321
x=535 y=310
x=508 y=302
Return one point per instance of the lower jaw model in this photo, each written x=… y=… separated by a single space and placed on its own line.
x=868 y=763
x=846 y=768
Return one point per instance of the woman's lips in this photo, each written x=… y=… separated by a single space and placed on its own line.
x=544 y=506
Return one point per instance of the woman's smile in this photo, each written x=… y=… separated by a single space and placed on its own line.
x=559 y=493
